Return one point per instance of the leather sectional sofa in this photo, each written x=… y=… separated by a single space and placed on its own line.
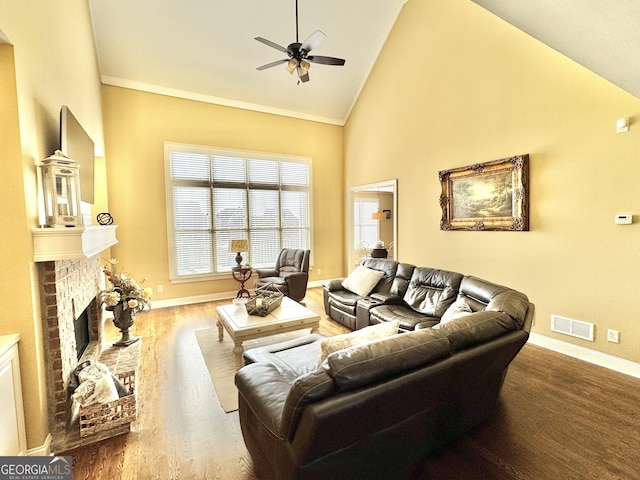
x=416 y=296
x=377 y=409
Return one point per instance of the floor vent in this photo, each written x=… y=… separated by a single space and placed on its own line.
x=575 y=328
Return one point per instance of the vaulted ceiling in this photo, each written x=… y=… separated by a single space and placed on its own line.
x=601 y=35
x=205 y=50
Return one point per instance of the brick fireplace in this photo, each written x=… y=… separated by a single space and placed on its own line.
x=67 y=289
x=70 y=279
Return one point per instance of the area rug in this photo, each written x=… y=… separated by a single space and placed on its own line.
x=219 y=359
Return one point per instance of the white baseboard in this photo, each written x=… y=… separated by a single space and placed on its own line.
x=43 y=450
x=586 y=354
x=210 y=297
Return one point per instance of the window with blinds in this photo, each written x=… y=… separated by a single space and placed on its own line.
x=215 y=196
x=366 y=231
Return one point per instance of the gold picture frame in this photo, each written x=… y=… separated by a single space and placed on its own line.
x=486 y=196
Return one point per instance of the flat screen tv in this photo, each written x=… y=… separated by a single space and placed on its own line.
x=76 y=144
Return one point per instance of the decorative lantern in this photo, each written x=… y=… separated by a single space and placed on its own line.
x=61 y=190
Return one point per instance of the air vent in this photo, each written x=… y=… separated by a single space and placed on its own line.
x=575 y=328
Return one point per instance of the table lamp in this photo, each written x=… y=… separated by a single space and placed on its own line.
x=239 y=246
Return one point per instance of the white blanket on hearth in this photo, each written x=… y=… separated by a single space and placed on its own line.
x=96 y=385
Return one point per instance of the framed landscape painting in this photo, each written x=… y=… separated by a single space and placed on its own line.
x=486 y=196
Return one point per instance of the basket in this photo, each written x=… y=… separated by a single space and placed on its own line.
x=106 y=416
x=265 y=301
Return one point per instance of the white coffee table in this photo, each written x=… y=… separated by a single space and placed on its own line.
x=241 y=326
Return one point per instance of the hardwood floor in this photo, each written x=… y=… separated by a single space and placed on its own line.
x=558 y=417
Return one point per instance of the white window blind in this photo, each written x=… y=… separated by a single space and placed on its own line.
x=366 y=230
x=216 y=196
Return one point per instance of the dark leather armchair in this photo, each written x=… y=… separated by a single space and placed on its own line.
x=290 y=274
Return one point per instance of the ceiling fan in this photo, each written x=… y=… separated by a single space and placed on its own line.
x=298 y=54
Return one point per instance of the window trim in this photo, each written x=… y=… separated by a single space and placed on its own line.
x=174 y=278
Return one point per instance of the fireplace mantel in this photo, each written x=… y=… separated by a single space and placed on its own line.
x=50 y=244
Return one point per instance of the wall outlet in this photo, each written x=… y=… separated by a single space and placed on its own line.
x=319 y=271
x=613 y=336
x=159 y=289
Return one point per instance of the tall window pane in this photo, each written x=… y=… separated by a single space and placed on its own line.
x=264 y=209
x=193 y=253
x=295 y=209
x=192 y=208
x=265 y=246
x=366 y=230
x=221 y=195
x=230 y=208
x=295 y=238
x=225 y=258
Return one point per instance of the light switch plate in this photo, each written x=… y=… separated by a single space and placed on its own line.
x=624 y=219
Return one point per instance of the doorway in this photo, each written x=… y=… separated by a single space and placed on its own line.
x=373 y=219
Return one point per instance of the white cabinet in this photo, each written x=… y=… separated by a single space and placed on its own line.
x=12 y=432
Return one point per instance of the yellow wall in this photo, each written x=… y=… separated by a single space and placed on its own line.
x=137 y=124
x=477 y=89
x=51 y=61
x=16 y=253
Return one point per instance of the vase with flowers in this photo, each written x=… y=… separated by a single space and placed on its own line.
x=126 y=298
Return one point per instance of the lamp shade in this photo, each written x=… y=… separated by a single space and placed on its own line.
x=304 y=67
x=378 y=216
x=239 y=246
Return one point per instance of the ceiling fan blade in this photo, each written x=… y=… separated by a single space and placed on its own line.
x=325 y=60
x=271 y=44
x=273 y=64
x=312 y=41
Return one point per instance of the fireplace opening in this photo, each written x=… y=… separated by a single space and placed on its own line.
x=81 y=327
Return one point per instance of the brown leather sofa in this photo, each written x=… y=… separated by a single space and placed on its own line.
x=351 y=309
x=376 y=410
x=416 y=296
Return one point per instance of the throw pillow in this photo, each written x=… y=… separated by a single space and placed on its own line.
x=457 y=309
x=362 y=280
x=358 y=337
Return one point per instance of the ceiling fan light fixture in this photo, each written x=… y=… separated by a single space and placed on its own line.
x=291 y=65
x=298 y=53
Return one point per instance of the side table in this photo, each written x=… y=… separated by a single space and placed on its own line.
x=241 y=275
x=379 y=252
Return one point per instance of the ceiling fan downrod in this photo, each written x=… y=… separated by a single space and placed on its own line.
x=297 y=41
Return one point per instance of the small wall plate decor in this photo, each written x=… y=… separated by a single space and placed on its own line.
x=104 y=218
x=486 y=196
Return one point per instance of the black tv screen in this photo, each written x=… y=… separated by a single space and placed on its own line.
x=76 y=144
